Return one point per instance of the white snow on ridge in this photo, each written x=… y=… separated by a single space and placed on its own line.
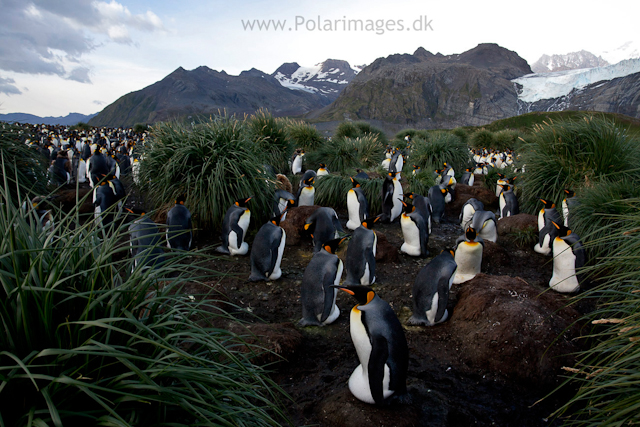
x=628 y=50
x=290 y=84
x=539 y=86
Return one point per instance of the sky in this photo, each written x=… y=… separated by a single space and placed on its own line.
x=64 y=56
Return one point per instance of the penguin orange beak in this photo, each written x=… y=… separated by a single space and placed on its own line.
x=349 y=291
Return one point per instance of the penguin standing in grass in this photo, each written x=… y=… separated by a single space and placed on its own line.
x=360 y=262
x=391 y=197
x=296 y=161
x=416 y=170
x=234 y=228
x=437 y=201
x=431 y=290
x=499 y=183
x=361 y=175
x=323 y=225
x=397 y=163
x=357 y=206
x=508 y=202
x=468 y=256
x=421 y=204
x=415 y=232
x=179 y=233
x=267 y=250
x=547 y=231
x=569 y=203
x=568 y=257
x=106 y=195
x=485 y=224
x=281 y=200
x=322 y=170
x=318 y=294
x=381 y=346
x=306 y=192
x=144 y=243
x=467 y=177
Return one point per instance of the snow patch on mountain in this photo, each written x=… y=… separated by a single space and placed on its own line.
x=539 y=86
x=569 y=61
x=628 y=50
x=327 y=78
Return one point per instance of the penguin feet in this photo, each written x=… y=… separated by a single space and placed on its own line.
x=223 y=250
x=309 y=322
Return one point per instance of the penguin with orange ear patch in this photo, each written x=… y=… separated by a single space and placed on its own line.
x=431 y=290
x=318 y=294
x=234 y=228
x=267 y=250
x=568 y=256
x=357 y=205
x=381 y=346
x=323 y=225
x=415 y=232
x=468 y=256
x=547 y=231
x=361 y=254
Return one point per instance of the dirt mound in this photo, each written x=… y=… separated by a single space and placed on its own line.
x=294 y=222
x=466 y=192
x=385 y=251
x=505 y=325
x=281 y=340
x=66 y=199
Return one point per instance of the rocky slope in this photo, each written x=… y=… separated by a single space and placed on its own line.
x=569 y=61
x=433 y=91
x=206 y=91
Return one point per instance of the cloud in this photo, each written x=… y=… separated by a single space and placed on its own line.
x=98 y=102
x=7 y=87
x=43 y=36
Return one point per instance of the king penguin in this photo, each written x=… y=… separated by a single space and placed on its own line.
x=361 y=175
x=317 y=294
x=322 y=170
x=106 y=201
x=468 y=256
x=234 y=228
x=499 y=183
x=267 y=250
x=547 y=231
x=568 y=257
x=179 y=230
x=281 y=200
x=144 y=243
x=485 y=224
x=306 y=192
x=431 y=290
x=357 y=205
x=381 y=346
x=422 y=205
x=569 y=203
x=361 y=255
x=323 y=225
x=467 y=177
x=415 y=232
x=296 y=162
x=437 y=200
x=508 y=202
x=468 y=210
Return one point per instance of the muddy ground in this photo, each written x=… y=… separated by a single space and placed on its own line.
x=489 y=364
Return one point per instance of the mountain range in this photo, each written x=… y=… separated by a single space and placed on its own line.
x=68 y=120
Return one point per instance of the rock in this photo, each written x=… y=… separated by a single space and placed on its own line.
x=280 y=340
x=466 y=192
x=341 y=409
x=293 y=224
x=506 y=326
x=494 y=256
x=518 y=222
x=385 y=251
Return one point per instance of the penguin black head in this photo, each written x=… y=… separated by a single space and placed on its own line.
x=368 y=223
x=569 y=193
x=444 y=191
x=309 y=181
x=562 y=230
x=332 y=245
x=181 y=199
x=512 y=180
x=354 y=182
x=363 y=294
x=408 y=207
x=323 y=165
x=409 y=195
x=501 y=175
x=416 y=167
x=470 y=234
x=548 y=204
x=242 y=202
x=391 y=175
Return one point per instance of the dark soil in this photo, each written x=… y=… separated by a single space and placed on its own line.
x=500 y=352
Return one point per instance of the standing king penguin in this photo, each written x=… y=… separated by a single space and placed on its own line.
x=307 y=192
x=414 y=231
x=547 y=231
x=357 y=206
x=508 y=202
x=318 y=294
x=431 y=290
x=381 y=346
x=360 y=262
x=179 y=233
x=267 y=250
x=468 y=256
x=568 y=256
x=323 y=225
x=391 y=197
x=234 y=228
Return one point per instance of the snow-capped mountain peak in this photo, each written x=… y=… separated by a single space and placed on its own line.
x=628 y=50
x=327 y=78
x=569 y=61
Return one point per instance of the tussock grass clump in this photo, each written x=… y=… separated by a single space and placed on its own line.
x=21 y=163
x=342 y=154
x=213 y=163
x=332 y=190
x=347 y=129
x=505 y=139
x=271 y=139
x=607 y=373
x=441 y=147
x=359 y=129
x=462 y=134
x=576 y=154
x=86 y=340
x=420 y=183
x=303 y=135
x=482 y=138
x=413 y=133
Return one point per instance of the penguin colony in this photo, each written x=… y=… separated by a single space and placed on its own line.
x=100 y=158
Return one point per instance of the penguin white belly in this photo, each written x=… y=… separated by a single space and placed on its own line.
x=399 y=164
x=472 y=179
x=564 y=277
x=565 y=213
x=541 y=219
x=498 y=187
x=467 y=215
x=469 y=259
x=354 y=210
x=447 y=198
x=366 y=276
x=296 y=167
x=397 y=203
x=489 y=231
x=321 y=172
x=385 y=164
x=307 y=196
x=135 y=172
x=502 y=203
x=359 y=379
x=82 y=172
x=335 y=311
x=282 y=203
x=411 y=233
x=545 y=249
x=243 y=247
x=431 y=313
x=277 y=272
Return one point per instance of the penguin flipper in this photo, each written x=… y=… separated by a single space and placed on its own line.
x=377 y=360
x=275 y=245
x=330 y=273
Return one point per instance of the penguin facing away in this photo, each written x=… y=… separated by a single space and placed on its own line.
x=318 y=294
x=144 y=243
x=468 y=256
x=468 y=210
x=422 y=205
x=485 y=224
x=508 y=202
x=323 y=225
x=179 y=229
x=360 y=262
x=267 y=249
x=381 y=346
x=437 y=197
x=234 y=228
x=415 y=232
x=568 y=257
x=431 y=290
x=357 y=205
x=548 y=232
